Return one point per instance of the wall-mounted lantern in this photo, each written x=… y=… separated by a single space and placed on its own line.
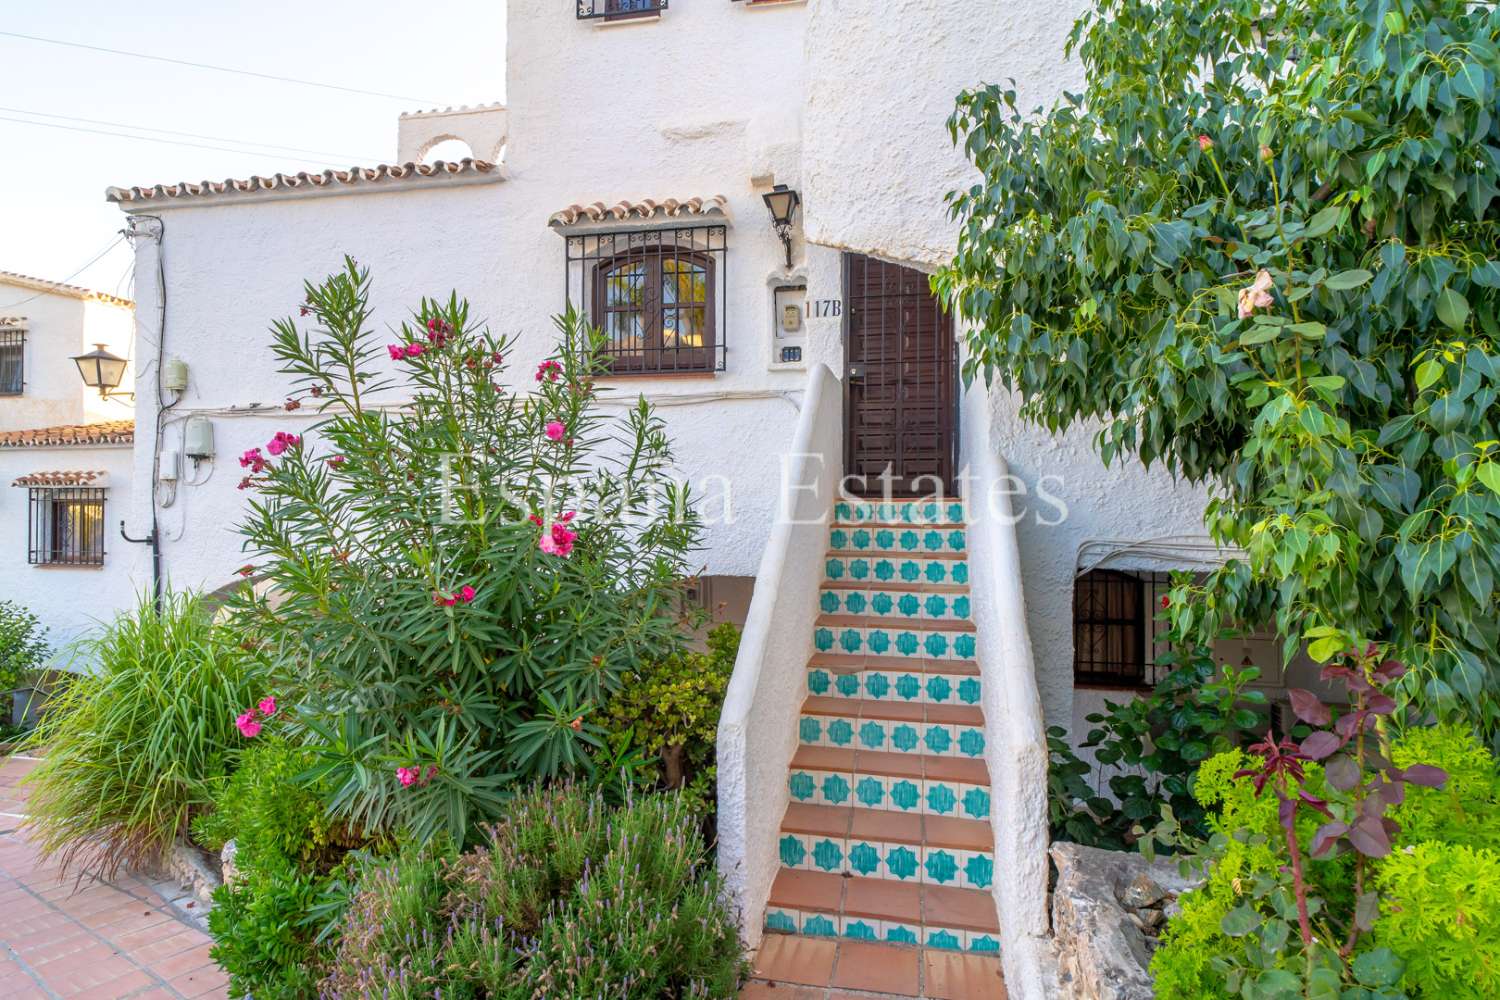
x=782 y=203
x=102 y=370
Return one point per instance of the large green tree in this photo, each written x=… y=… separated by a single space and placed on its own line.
x=1261 y=248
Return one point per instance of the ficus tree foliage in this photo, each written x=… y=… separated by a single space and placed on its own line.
x=454 y=586
x=1260 y=247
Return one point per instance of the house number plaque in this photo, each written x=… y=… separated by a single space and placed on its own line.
x=825 y=308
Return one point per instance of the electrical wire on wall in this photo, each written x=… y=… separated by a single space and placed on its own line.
x=157 y=233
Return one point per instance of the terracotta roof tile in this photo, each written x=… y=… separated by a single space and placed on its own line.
x=62 y=288
x=627 y=211
x=95 y=479
x=361 y=176
x=104 y=432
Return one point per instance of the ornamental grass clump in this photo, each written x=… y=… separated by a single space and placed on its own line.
x=132 y=749
x=569 y=898
x=455 y=583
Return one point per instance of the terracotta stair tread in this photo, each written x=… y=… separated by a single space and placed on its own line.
x=895 y=553
x=894 y=622
x=888 y=827
x=845 y=663
x=884 y=899
x=959 y=770
x=920 y=587
x=894 y=711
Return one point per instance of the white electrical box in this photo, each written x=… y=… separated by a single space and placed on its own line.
x=198 y=438
x=174 y=375
x=168 y=466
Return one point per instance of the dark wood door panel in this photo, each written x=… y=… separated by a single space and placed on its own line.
x=900 y=378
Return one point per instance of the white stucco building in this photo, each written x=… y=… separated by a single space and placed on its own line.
x=65 y=458
x=628 y=174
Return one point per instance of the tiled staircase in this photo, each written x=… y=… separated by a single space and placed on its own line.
x=887 y=836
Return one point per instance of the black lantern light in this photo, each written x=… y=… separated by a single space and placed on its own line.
x=782 y=203
x=101 y=370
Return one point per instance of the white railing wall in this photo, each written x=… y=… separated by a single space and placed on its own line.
x=1015 y=735
x=758 y=728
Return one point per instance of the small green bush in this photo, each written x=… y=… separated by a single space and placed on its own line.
x=22 y=648
x=670 y=709
x=132 y=750
x=570 y=899
x=264 y=935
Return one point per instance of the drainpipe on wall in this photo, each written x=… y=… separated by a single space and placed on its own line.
x=153 y=538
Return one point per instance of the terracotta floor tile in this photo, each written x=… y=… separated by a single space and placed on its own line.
x=115 y=988
x=958 y=834
x=865 y=966
x=952 y=976
x=881 y=824
x=969 y=909
x=955 y=715
x=960 y=769
x=802 y=890
x=792 y=958
x=780 y=991
x=899 y=765
x=828 y=821
x=897 y=711
x=823 y=759
x=187 y=961
x=883 y=899
x=823 y=705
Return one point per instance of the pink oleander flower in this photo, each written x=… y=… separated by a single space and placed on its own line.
x=445 y=600
x=558 y=541
x=282 y=441
x=246 y=570
x=432 y=770
x=1257 y=295
x=467 y=594
x=254 y=461
x=535 y=519
x=407 y=775
x=548 y=370
x=337 y=461
x=396 y=351
x=413 y=350
x=245 y=483
x=568 y=516
x=248 y=725
x=555 y=430
x=1205 y=143
x=267 y=706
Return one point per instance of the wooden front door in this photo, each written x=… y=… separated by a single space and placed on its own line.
x=900 y=391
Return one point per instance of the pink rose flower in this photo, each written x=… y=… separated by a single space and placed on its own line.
x=248 y=725
x=555 y=430
x=396 y=351
x=267 y=706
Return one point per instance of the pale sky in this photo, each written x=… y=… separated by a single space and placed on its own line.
x=52 y=180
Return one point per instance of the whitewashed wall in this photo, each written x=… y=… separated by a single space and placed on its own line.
x=70 y=600
x=60 y=326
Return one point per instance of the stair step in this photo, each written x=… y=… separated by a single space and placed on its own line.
x=903 y=727
x=901 y=783
x=876 y=569
x=903 y=847
x=905 y=540
x=906 y=512
x=889 y=604
x=845 y=663
x=898 y=682
x=829 y=905
x=928 y=639
x=895 y=622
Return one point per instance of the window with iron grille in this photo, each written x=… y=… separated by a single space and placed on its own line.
x=66 y=526
x=1109 y=629
x=655 y=294
x=591 y=9
x=12 y=361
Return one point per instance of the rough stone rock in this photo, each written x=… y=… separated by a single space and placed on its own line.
x=1102 y=949
x=226 y=862
x=1142 y=891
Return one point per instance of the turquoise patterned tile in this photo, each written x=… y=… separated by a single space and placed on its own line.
x=978 y=871
x=939 y=866
x=861 y=929
x=830 y=602
x=859 y=569
x=906 y=795
x=833 y=569
x=933 y=540
x=968 y=690
x=834 y=790
x=782 y=920
x=961 y=607
x=937 y=739
x=902 y=863
x=939 y=689
x=935 y=606
x=976 y=802
x=982 y=943
x=885 y=538
x=810 y=730
x=879 y=642
x=963 y=646
x=851 y=640
x=942 y=937
x=907 y=644
x=960 y=573
x=882 y=603
x=839 y=732
x=899 y=933
x=855 y=602
x=970 y=741
x=838 y=539
x=908 y=688
x=904 y=738
x=909 y=605
x=877 y=682
x=864 y=859
x=942 y=798
x=793 y=851
x=818 y=681
x=802 y=786
x=935 y=645
x=819 y=925
x=827 y=855
x=870 y=791
x=871 y=735
x=846 y=685
x=823 y=639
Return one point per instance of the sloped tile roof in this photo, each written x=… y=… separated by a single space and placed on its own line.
x=354 y=176
x=95 y=479
x=629 y=211
x=12 y=322
x=62 y=288
x=104 y=432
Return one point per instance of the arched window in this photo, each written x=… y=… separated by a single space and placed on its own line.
x=656 y=308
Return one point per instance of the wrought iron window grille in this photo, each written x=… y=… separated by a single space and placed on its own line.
x=1110 y=627
x=590 y=10
x=12 y=361
x=66 y=526
x=657 y=296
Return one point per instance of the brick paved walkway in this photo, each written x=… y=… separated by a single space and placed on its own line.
x=109 y=941
x=791 y=967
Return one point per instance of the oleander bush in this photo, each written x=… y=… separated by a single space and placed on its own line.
x=453 y=590
x=567 y=898
x=132 y=750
